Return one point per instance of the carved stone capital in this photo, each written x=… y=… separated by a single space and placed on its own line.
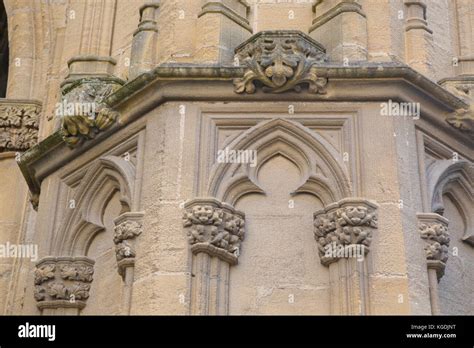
x=433 y=230
x=18 y=124
x=63 y=282
x=280 y=60
x=343 y=227
x=127 y=227
x=214 y=228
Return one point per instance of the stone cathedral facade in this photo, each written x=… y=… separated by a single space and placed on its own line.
x=195 y=157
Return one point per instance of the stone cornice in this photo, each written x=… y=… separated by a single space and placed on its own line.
x=178 y=83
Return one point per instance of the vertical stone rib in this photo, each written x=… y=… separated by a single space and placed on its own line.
x=418 y=37
x=144 y=41
x=465 y=24
x=22 y=54
x=342 y=29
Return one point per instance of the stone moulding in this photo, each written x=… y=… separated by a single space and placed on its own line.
x=214 y=228
x=417 y=22
x=280 y=60
x=344 y=224
x=55 y=146
x=19 y=123
x=433 y=229
x=147 y=24
x=63 y=282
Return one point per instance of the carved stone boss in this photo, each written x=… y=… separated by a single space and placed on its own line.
x=215 y=232
x=280 y=60
x=343 y=232
x=63 y=282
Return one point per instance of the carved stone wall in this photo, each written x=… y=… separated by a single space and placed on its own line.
x=19 y=123
x=296 y=85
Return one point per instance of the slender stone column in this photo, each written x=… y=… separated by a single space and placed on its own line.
x=127 y=227
x=91 y=77
x=433 y=229
x=418 y=36
x=22 y=50
x=215 y=232
x=62 y=284
x=341 y=26
x=222 y=25
x=462 y=83
x=144 y=41
x=96 y=42
x=343 y=231
x=465 y=23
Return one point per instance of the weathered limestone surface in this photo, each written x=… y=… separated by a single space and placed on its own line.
x=134 y=207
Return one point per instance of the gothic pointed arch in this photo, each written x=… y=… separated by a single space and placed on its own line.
x=321 y=170
x=455 y=180
x=108 y=176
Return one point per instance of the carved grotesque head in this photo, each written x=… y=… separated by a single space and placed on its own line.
x=203 y=213
x=356 y=214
